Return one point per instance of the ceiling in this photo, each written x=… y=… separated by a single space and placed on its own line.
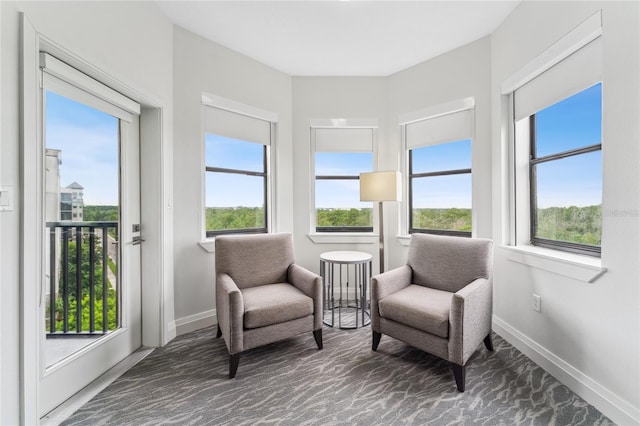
x=339 y=38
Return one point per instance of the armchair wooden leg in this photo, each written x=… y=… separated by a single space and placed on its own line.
x=459 y=374
x=218 y=332
x=376 y=340
x=488 y=342
x=317 y=334
x=234 y=360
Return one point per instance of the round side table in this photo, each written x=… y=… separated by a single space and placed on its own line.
x=345 y=278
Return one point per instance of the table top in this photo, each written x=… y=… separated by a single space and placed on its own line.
x=346 y=257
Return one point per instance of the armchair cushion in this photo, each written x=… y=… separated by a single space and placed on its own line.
x=448 y=263
x=424 y=308
x=273 y=304
x=256 y=259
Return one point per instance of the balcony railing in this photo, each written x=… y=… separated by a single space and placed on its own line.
x=83 y=278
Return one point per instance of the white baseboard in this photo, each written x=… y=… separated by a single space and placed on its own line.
x=171 y=333
x=612 y=406
x=196 y=322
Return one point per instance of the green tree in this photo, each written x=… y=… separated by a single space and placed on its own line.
x=221 y=218
x=100 y=213
x=85 y=268
x=86 y=313
x=582 y=225
x=344 y=217
x=70 y=290
x=453 y=219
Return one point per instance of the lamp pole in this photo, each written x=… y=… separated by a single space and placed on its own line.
x=381 y=235
x=379 y=187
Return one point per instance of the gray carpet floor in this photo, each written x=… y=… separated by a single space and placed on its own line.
x=293 y=383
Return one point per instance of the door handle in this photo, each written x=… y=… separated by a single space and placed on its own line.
x=136 y=241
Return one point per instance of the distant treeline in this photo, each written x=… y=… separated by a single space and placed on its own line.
x=100 y=213
x=344 y=217
x=452 y=219
x=220 y=218
x=573 y=224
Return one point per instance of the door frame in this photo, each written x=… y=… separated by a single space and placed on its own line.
x=156 y=168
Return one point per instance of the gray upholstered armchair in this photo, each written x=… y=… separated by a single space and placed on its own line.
x=440 y=301
x=262 y=296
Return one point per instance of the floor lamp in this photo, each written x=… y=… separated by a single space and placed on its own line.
x=380 y=187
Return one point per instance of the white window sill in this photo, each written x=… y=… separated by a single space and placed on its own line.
x=583 y=268
x=343 y=237
x=208 y=245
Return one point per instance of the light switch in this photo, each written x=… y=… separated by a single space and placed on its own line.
x=6 y=198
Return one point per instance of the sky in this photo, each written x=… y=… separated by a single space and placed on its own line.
x=442 y=191
x=88 y=139
x=572 y=123
x=232 y=190
x=341 y=193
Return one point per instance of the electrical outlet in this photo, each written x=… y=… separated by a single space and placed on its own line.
x=536 y=303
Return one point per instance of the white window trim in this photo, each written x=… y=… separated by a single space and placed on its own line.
x=209 y=100
x=580 y=267
x=573 y=41
x=339 y=237
x=458 y=105
x=238 y=107
x=87 y=89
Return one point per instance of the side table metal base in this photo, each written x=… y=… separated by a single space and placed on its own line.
x=345 y=277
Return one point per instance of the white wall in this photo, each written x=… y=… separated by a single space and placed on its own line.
x=203 y=66
x=109 y=36
x=587 y=334
x=591 y=331
x=455 y=75
x=328 y=98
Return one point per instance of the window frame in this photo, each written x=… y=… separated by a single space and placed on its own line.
x=443 y=113
x=585 y=72
x=316 y=124
x=534 y=160
x=411 y=176
x=331 y=229
x=264 y=174
x=242 y=111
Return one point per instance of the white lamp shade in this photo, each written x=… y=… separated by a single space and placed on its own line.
x=380 y=186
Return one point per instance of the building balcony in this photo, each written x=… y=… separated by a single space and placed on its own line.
x=82 y=303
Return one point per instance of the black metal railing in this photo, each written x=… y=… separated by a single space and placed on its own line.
x=82 y=293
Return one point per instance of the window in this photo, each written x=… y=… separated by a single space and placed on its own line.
x=565 y=170
x=338 y=208
x=237 y=167
x=236 y=185
x=558 y=154
x=339 y=156
x=440 y=188
x=438 y=144
x=65 y=206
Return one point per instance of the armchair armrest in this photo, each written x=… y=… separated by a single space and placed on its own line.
x=382 y=285
x=469 y=319
x=311 y=285
x=230 y=312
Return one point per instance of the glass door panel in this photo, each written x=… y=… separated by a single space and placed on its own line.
x=82 y=217
x=90 y=304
